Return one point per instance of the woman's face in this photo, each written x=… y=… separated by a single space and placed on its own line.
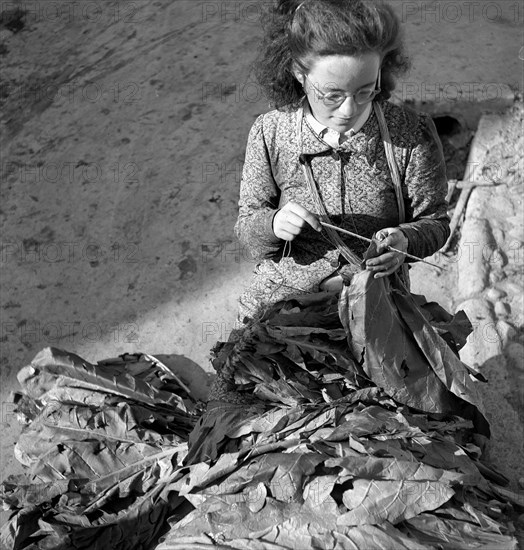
x=339 y=73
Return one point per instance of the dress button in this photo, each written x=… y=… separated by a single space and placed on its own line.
x=334 y=263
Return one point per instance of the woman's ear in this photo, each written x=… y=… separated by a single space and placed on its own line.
x=297 y=73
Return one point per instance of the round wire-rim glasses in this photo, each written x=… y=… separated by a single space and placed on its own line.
x=337 y=98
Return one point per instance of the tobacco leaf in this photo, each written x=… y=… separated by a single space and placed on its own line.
x=278 y=392
x=54 y=367
x=300 y=531
x=508 y=495
x=265 y=422
x=482 y=519
x=277 y=376
x=311 y=423
x=97 y=460
x=384 y=347
x=123 y=422
x=378 y=537
x=202 y=475
x=19 y=528
x=454 y=329
x=372 y=420
x=317 y=493
x=447 y=366
x=376 y=501
x=216 y=429
x=108 y=524
x=194 y=542
x=283 y=333
x=20 y=490
x=332 y=356
x=370 y=467
x=450 y=534
x=276 y=530
x=402 y=353
x=137 y=526
x=217 y=515
x=252 y=368
x=281 y=473
x=441 y=452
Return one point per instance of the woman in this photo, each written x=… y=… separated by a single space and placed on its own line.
x=335 y=151
x=328 y=66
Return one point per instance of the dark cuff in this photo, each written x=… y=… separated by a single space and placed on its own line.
x=412 y=235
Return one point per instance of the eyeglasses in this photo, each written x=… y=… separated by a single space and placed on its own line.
x=337 y=98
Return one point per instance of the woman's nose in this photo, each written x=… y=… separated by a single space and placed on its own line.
x=349 y=107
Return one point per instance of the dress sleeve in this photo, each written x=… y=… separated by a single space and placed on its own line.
x=427 y=228
x=259 y=197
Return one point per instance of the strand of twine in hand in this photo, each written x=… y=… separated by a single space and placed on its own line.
x=265 y=307
x=356 y=235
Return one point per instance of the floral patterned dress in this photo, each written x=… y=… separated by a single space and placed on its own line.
x=355 y=185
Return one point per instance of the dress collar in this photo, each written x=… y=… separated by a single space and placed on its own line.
x=330 y=136
x=311 y=134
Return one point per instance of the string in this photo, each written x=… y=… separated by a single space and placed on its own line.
x=285 y=254
x=267 y=304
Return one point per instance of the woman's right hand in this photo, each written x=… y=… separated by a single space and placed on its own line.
x=291 y=219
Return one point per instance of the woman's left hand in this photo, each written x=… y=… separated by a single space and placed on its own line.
x=388 y=262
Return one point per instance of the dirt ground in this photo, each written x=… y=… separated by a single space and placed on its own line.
x=123 y=133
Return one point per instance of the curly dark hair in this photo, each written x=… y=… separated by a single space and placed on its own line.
x=299 y=31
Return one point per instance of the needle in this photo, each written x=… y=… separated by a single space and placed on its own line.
x=371 y=240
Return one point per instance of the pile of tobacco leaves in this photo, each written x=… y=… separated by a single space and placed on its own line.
x=354 y=426
x=100 y=444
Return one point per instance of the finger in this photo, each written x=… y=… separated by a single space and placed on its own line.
x=286 y=220
x=384 y=269
x=306 y=215
x=384 y=245
x=287 y=232
x=282 y=228
x=388 y=271
x=387 y=267
x=381 y=237
x=291 y=229
x=390 y=236
x=382 y=260
x=295 y=220
x=383 y=274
